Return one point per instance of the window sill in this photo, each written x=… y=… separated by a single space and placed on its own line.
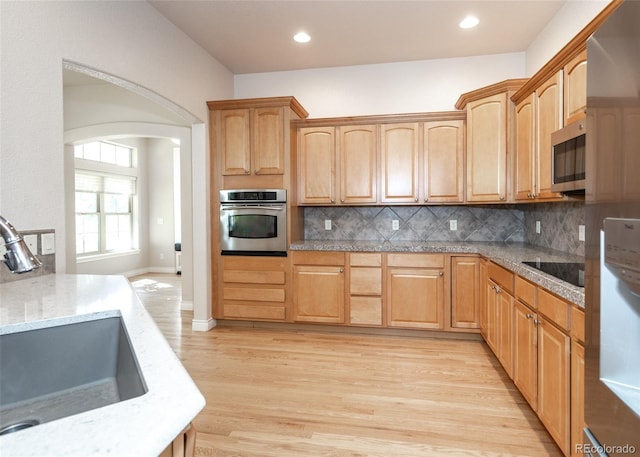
x=110 y=255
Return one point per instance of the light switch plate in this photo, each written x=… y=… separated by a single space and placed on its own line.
x=395 y=224
x=581 y=235
x=453 y=224
x=48 y=243
x=327 y=224
x=32 y=243
x=537 y=226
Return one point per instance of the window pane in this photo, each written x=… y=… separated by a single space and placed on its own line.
x=123 y=156
x=87 y=233
x=92 y=151
x=86 y=202
x=118 y=232
x=78 y=151
x=107 y=152
x=116 y=203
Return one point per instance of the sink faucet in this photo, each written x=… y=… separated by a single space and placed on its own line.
x=18 y=257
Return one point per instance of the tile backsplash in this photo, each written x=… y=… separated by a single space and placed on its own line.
x=559 y=223
x=415 y=223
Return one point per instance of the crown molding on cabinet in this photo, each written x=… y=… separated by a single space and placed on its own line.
x=266 y=102
x=509 y=85
x=381 y=119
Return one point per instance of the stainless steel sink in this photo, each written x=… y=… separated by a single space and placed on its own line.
x=55 y=372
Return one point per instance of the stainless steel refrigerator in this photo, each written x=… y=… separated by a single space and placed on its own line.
x=612 y=213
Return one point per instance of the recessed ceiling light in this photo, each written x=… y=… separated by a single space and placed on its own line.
x=469 y=22
x=302 y=37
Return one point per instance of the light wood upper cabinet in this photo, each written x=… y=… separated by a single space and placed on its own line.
x=316 y=165
x=487 y=139
x=357 y=163
x=234 y=141
x=548 y=119
x=415 y=290
x=252 y=141
x=525 y=176
x=537 y=116
x=575 y=88
x=443 y=161
x=399 y=150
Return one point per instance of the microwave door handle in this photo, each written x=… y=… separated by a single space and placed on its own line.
x=235 y=208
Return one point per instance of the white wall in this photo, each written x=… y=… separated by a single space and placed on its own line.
x=572 y=17
x=405 y=87
x=130 y=40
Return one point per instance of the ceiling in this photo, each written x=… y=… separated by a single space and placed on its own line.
x=255 y=36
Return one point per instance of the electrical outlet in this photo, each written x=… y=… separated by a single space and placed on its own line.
x=32 y=243
x=537 y=226
x=395 y=224
x=453 y=224
x=581 y=235
x=327 y=224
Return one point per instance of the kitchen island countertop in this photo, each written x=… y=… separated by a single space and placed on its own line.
x=141 y=426
x=508 y=255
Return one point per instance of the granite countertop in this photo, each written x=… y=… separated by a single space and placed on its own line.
x=508 y=255
x=141 y=426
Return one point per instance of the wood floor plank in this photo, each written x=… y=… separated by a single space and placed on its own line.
x=288 y=393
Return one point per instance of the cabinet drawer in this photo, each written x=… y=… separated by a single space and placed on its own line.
x=366 y=310
x=365 y=281
x=249 y=311
x=526 y=292
x=365 y=260
x=317 y=258
x=252 y=294
x=501 y=276
x=577 y=323
x=253 y=277
x=554 y=308
x=416 y=260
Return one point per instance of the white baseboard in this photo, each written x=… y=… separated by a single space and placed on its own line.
x=202 y=326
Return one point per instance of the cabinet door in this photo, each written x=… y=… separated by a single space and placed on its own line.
x=491 y=336
x=577 y=397
x=575 y=88
x=234 y=142
x=553 y=382
x=358 y=164
x=487 y=149
x=268 y=141
x=484 y=293
x=465 y=292
x=399 y=162
x=525 y=355
x=318 y=293
x=316 y=165
x=548 y=120
x=525 y=149
x=443 y=162
x=504 y=305
x=415 y=298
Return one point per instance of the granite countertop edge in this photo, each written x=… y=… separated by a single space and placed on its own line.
x=142 y=426
x=508 y=255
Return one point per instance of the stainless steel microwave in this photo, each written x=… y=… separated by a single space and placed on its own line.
x=568 y=158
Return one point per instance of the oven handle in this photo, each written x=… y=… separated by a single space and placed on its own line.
x=268 y=207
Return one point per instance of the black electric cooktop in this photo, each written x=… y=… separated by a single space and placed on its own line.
x=573 y=273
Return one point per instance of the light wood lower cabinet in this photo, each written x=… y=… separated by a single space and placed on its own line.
x=577 y=397
x=554 y=382
x=525 y=353
x=415 y=290
x=365 y=289
x=253 y=288
x=465 y=292
x=318 y=287
x=184 y=445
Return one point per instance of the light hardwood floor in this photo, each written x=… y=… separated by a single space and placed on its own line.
x=288 y=393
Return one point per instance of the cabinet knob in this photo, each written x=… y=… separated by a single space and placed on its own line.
x=529 y=316
x=246 y=172
x=501 y=197
x=332 y=200
x=441 y=273
x=498 y=289
x=255 y=172
x=415 y=199
x=426 y=199
x=342 y=200
x=536 y=322
x=529 y=195
x=341 y=270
